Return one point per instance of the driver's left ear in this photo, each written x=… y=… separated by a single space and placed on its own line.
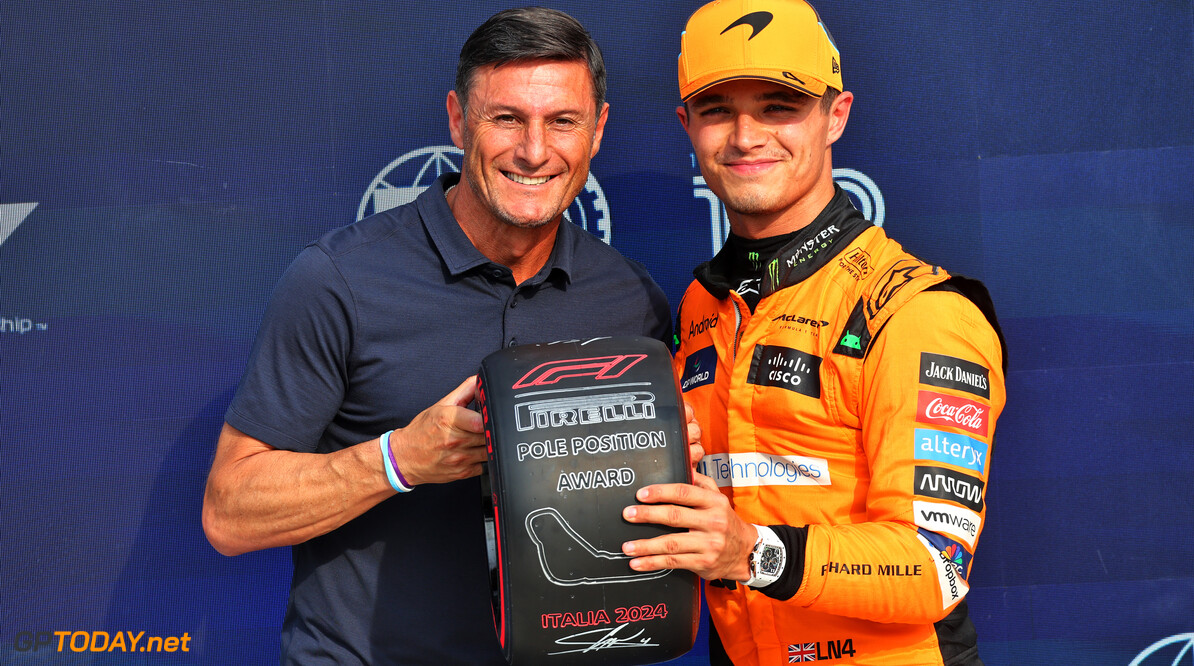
x=839 y=114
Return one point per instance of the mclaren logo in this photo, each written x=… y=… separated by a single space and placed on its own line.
x=756 y=20
x=404 y=179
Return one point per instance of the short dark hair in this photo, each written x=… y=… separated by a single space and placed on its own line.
x=827 y=99
x=529 y=33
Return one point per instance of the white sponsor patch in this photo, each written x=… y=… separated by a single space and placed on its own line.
x=962 y=524
x=759 y=469
x=953 y=587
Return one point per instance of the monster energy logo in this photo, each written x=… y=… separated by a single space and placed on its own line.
x=753 y=257
x=773 y=272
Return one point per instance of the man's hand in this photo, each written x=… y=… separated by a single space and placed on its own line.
x=695 y=450
x=716 y=544
x=445 y=442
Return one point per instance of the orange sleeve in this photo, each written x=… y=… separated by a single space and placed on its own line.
x=929 y=393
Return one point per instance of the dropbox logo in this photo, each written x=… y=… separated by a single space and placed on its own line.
x=404 y=179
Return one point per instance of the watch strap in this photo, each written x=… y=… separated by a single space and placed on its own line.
x=767 y=559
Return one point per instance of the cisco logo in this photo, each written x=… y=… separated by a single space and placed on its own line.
x=404 y=179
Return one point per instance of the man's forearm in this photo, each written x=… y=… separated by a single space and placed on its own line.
x=259 y=497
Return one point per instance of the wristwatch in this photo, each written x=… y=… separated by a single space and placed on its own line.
x=767 y=558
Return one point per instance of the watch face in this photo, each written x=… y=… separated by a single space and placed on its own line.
x=769 y=560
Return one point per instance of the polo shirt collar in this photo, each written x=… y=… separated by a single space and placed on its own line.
x=459 y=253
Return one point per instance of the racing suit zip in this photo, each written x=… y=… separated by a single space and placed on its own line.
x=737 y=328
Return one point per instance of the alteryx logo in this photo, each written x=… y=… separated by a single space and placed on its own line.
x=404 y=179
x=700 y=368
x=951 y=448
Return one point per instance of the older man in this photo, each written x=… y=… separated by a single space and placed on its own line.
x=341 y=442
x=848 y=391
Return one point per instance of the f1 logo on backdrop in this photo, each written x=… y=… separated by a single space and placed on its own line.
x=862 y=190
x=404 y=179
x=603 y=367
x=11 y=217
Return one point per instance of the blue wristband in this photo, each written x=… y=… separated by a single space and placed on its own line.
x=397 y=482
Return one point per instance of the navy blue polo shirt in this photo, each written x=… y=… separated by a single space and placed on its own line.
x=369 y=326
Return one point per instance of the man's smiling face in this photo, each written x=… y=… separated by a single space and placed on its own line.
x=764 y=150
x=528 y=135
x=760 y=145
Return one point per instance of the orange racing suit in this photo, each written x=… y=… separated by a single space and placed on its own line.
x=854 y=410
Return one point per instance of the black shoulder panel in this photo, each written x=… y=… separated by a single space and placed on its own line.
x=976 y=292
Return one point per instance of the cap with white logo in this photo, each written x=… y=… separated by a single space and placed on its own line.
x=772 y=40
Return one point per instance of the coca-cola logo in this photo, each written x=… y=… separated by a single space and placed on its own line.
x=940 y=409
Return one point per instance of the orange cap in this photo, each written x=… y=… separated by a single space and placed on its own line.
x=774 y=40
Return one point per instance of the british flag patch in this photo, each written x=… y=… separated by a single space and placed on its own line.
x=802 y=652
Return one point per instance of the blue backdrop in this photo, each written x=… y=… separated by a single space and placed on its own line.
x=164 y=161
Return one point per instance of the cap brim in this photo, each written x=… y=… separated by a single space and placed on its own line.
x=807 y=85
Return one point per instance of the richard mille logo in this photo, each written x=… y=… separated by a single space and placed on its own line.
x=404 y=179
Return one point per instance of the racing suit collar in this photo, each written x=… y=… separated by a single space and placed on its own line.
x=812 y=247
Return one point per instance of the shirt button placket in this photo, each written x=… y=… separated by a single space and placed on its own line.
x=510 y=305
